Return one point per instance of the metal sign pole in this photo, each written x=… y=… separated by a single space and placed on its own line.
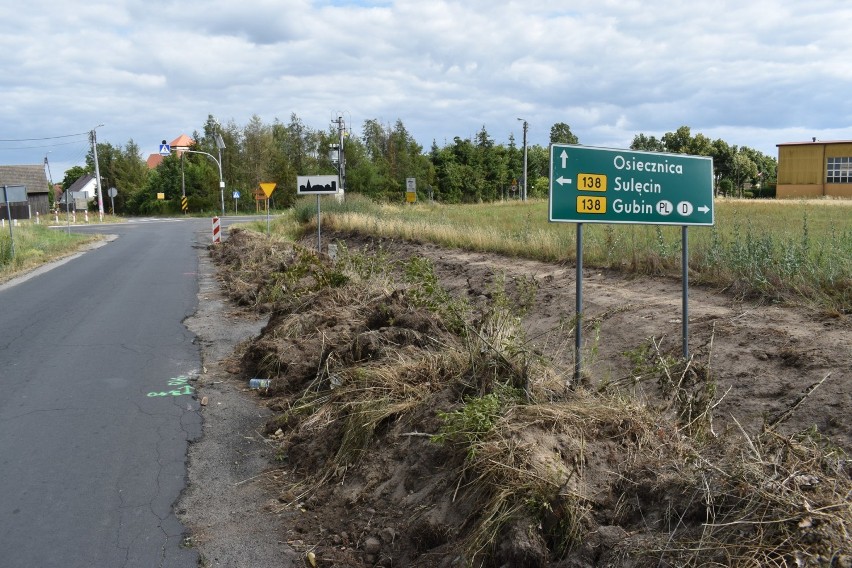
x=319 y=226
x=684 y=261
x=578 y=334
x=9 y=214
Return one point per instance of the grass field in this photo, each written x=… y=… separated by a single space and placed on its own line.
x=797 y=251
x=34 y=245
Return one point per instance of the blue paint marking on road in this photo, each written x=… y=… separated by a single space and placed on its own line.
x=181 y=382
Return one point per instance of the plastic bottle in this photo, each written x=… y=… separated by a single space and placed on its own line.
x=257 y=383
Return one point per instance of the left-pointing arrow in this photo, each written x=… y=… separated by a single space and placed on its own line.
x=562 y=181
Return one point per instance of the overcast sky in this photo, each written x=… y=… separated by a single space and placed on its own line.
x=752 y=72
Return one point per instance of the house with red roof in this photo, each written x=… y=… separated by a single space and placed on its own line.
x=178 y=145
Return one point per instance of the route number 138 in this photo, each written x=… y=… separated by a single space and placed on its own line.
x=591 y=182
x=594 y=204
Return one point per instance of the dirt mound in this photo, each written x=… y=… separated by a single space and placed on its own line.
x=419 y=427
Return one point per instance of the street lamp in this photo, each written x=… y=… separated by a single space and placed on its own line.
x=526 y=126
x=219 y=164
x=220 y=144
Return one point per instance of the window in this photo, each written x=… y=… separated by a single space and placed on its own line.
x=838 y=170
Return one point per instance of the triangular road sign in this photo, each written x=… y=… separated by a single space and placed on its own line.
x=267 y=188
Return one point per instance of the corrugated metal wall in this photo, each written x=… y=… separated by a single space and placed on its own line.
x=799 y=165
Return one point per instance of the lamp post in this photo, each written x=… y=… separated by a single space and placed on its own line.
x=219 y=164
x=220 y=144
x=526 y=126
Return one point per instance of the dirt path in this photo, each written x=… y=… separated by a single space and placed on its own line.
x=225 y=504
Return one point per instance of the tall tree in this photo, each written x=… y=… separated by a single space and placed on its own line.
x=560 y=133
x=677 y=142
x=647 y=143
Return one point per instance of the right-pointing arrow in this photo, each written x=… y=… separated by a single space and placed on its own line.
x=704 y=209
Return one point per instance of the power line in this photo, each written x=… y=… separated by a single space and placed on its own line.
x=45 y=138
x=42 y=146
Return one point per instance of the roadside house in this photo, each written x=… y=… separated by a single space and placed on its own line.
x=38 y=189
x=84 y=187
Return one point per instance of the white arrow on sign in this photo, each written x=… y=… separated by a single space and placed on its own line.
x=704 y=209
x=562 y=181
x=564 y=156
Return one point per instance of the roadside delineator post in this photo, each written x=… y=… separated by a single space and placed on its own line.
x=217 y=236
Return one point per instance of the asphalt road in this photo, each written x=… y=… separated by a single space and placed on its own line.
x=96 y=411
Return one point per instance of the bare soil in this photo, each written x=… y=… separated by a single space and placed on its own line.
x=406 y=501
x=764 y=356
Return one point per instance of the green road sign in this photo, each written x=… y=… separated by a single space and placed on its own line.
x=603 y=185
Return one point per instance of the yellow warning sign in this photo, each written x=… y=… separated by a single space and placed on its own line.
x=268 y=188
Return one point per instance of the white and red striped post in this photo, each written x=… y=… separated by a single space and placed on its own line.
x=217 y=234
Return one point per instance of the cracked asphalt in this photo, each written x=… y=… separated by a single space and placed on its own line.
x=96 y=405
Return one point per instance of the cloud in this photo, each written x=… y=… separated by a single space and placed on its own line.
x=753 y=73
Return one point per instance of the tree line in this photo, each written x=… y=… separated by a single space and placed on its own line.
x=377 y=163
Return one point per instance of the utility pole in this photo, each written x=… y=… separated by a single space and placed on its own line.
x=50 y=175
x=94 y=138
x=526 y=126
x=341 y=160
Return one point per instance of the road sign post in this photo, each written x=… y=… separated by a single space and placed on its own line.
x=410 y=190
x=605 y=185
x=317 y=185
x=267 y=188
x=13 y=194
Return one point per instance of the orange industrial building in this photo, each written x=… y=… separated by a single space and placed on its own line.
x=815 y=169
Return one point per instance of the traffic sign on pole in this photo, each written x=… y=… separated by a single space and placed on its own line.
x=267 y=188
x=603 y=185
x=319 y=184
x=410 y=190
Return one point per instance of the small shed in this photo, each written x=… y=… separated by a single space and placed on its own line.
x=34 y=179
